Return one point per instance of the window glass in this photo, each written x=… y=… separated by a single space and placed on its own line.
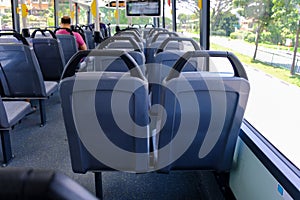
x=36 y=14
x=5 y=14
x=263 y=38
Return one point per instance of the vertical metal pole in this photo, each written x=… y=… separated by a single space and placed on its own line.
x=204 y=29
x=24 y=19
x=71 y=11
x=118 y=13
x=205 y=25
x=97 y=22
x=76 y=13
x=15 y=15
x=88 y=16
x=163 y=14
x=56 y=5
x=174 y=15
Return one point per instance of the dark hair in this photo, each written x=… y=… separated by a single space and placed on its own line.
x=118 y=29
x=65 y=20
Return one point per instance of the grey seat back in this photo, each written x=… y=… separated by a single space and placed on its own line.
x=146 y=29
x=11 y=36
x=165 y=56
x=152 y=32
x=50 y=57
x=128 y=44
x=89 y=39
x=20 y=75
x=120 y=45
x=91 y=100
x=9 y=40
x=68 y=44
x=203 y=114
x=157 y=41
x=131 y=33
x=158 y=36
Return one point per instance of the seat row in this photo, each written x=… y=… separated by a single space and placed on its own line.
x=30 y=69
x=21 y=79
x=109 y=126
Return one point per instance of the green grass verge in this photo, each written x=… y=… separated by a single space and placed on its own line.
x=278 y=72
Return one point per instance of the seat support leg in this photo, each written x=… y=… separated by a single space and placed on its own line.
x=6 y=147
x=42 y=111
x=98 y=185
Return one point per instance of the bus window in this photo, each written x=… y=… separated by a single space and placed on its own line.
x=39 y=14
x=274 y=100
x=5 y=15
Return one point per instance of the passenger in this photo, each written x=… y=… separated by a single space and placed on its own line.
x=118 y=29
x=103 y=27
x=66 y=23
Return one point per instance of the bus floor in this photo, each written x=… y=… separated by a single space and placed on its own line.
x=47 y=148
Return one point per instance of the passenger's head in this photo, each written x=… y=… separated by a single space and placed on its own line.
x=65 y=22
x=118 y=29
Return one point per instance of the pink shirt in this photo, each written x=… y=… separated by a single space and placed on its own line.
x=78 y=37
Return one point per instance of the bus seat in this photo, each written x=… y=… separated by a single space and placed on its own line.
x=89 y=39
x=89 y=100
x=150 y=52
x=108 y=62
x=11 y=112
x=146 y=29
x=128 y=44
x=157 y=71
x=68 y=44
x=12 y=36
x=120 y=45
x=203 y=113
x=120 y=42
x=28 y=183
x=140 y=59
x=9 y=40
x=153 y=31
x=158 y=36
x=50 y=57
x=167 y=53
x=134 y=35
x=164 y=59
x=21 y=76
x=114 y=64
